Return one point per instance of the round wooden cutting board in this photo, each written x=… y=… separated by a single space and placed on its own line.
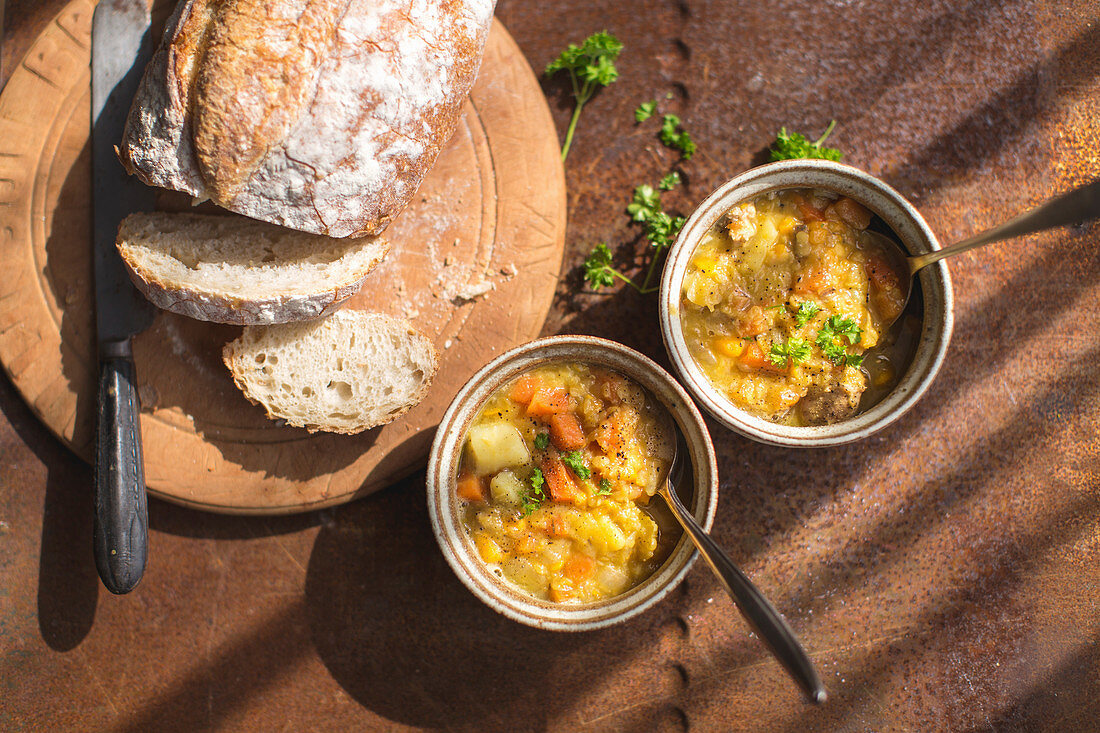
x=489 y=217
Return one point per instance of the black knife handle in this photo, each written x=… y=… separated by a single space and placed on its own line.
x=121 y=518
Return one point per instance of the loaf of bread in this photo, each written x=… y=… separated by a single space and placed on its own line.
x=341 y=374
x=318 y=115
x=229 y=269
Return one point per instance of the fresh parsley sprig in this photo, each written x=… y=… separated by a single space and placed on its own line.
x=806 y=311
x=534 y=496
x=673 y=136
x=659 y=227
x=590 y=66
x=670 y=181
x=831 y=336
x=791 y=145
x=542 y=440
x=599 y=273
x=605 y=487
x=575 y=461
x=795 y=351
x=645 y=110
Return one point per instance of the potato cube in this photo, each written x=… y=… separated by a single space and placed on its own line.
x=496 y=445
x=506 y=488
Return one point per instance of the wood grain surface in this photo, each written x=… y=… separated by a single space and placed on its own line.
x=489 y=217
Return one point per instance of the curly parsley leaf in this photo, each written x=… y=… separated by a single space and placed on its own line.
x=534 y=496
x=670 y=181
x=645 y=204
x=843 y=327
x=832 y=335
x=791 y=145
x=660 y=228
x=795 y=351
x=806 y=311
x=542 y=440
x=645 y=110
x=605 y=487
x=676 y=138
x=575 y=461
x=597 y=268
x=590 y=66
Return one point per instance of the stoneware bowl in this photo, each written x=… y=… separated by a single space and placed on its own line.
x=898 y=214
x=443 y=463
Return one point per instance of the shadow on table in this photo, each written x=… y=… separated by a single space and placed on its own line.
x=68 y=587
x=1065 y=699
x=399 y=632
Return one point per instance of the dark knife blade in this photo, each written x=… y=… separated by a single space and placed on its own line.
x=121 y=47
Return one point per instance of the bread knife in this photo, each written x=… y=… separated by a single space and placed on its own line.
x=121 y=47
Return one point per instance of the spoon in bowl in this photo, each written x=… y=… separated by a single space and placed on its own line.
x=757 y=610
x=1076 y=207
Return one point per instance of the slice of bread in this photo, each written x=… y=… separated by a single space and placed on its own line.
x=341 y=374
x=230 y=269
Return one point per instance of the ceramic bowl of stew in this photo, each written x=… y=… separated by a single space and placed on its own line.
x=783 y=318
x=542 y=478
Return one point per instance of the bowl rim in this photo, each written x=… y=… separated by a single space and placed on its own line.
x=907 y=223
x=446 y=451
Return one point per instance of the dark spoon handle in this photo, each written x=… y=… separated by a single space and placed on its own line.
x=121 y=519
x=757 y=610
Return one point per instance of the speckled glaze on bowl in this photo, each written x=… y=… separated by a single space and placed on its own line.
x=899 y=215
x=443 y=463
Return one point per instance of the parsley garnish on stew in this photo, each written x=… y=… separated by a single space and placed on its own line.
x=575 y=460
x=805 y=312
x=795 y=350
x=542 y=440
x=830 y=339
x=534 y=496
x=605 y=487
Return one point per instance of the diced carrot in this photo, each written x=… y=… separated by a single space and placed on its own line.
x=560 y=590
x=610 y=387
x=579 y=568
x=753 y=356
x=879 y=272
x=471 y=487
x=548 y=401
x=558 y=481
x=611 y=433
x=809 y=212
x=524 y=389
x=754 y=359
x=815 y=281
x=525 y=544
x=851 y=213
x=566 y=431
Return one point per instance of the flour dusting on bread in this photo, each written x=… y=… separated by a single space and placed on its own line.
x=375 y=115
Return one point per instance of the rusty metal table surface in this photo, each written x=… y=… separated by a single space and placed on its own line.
x=944 y=574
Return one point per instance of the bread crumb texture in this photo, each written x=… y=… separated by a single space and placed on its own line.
x=342 y=374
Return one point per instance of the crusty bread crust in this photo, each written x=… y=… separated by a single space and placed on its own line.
x=239 y=312
x=368 y=92
x=201 y=301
